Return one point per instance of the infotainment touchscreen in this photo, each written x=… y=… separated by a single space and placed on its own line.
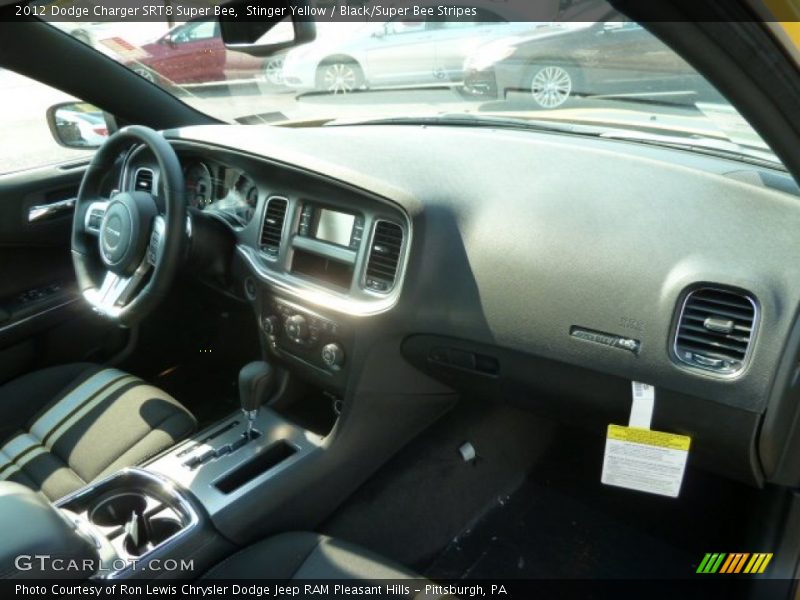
x=334 y=227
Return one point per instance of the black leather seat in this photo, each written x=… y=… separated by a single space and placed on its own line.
x=303 y=556
x=65 y=426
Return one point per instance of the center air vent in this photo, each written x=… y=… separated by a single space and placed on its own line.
x=715 y=330
x=384 y=257
x=143 y=181
x=272 y=229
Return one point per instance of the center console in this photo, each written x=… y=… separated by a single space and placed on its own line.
x=134 y=517
x=315 y=268
x=317 y=340
x=140 y=520
x=219 y=470
x=183 y=507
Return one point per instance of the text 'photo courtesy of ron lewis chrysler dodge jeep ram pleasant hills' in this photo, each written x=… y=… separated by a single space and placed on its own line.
x=400 y=299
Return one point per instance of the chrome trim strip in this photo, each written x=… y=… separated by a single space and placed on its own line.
x=168 y=488
x=400 y=263
x=41 y=212
x=748 y=353
x=12 y=325
x=115 y=291
x=315 y=294
x=283 y=227
x=332 y=251
x=153 y=181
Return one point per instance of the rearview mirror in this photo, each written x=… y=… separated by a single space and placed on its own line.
x=249 y=28
x=78 y=125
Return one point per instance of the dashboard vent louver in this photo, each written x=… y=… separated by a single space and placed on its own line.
x=143 y=181
x=384 y=257
x=715 y=330
x=272 y=229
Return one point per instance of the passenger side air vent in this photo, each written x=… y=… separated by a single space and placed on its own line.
x=384 y=257
x=143 y=181
x=272 y=229
x=715 y=330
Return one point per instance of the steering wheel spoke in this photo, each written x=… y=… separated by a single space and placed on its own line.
x=94 y=217
x=115 y=291
x=156 y=240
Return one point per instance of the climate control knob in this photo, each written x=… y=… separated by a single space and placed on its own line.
x=333 y=356
x=297 y=327
x=270 y=325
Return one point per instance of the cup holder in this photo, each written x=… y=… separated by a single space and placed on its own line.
x=160 y=529
x=117 y=509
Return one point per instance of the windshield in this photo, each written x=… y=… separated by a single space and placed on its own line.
x=610 y=72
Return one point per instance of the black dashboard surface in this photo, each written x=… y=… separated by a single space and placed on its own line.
x=548 y=233
x=521 y=237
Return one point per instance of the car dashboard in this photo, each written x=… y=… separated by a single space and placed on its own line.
x=486 y=264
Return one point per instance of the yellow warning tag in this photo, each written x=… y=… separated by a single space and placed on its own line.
x=649 y=437
x=645 y=460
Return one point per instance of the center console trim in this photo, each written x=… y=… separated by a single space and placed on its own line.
x=169 y=489
x=200 y=481
x=319 y=295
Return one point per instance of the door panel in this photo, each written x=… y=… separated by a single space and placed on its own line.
x=195 y=53
x=43 y=320
x=633 y=61
x=405 y=53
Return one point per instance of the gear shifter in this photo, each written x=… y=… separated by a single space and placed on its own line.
x=256 y=385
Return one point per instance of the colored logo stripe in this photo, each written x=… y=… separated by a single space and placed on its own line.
x=711 y=563
x=736 y=562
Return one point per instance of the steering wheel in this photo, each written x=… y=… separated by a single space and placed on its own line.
x=125 y=253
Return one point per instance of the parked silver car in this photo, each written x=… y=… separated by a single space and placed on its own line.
x=433 y=53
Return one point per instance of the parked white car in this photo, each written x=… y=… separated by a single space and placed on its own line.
x=85 y=128
x=433 y=53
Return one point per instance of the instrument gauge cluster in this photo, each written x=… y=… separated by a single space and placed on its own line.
x=224 y=191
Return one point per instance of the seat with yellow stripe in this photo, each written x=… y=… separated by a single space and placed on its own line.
x=65 y=426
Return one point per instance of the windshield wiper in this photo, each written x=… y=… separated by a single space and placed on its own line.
x=709 y=146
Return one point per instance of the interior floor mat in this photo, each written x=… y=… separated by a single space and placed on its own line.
x=416 y=503
x=562 y=523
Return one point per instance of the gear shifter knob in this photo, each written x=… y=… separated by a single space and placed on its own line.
x=256 y=385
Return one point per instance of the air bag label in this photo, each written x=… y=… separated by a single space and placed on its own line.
x=645 y=460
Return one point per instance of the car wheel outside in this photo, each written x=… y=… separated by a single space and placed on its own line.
x=273 y=71
x=145 y=73
x=551 y=85
x=339 y=77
